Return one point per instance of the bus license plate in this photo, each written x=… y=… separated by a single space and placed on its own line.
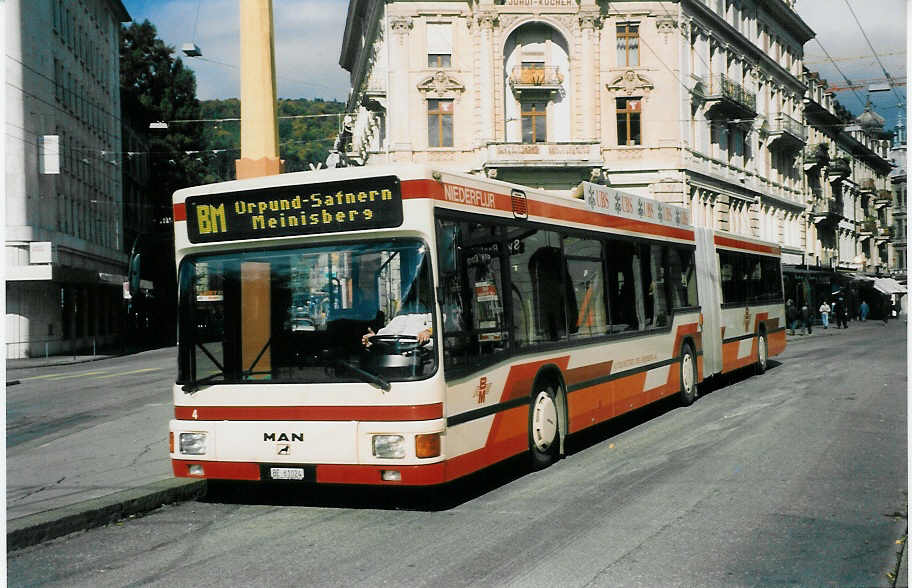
x=286 y=473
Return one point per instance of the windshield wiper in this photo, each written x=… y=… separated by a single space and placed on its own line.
x=365 y=375
x=195 y=385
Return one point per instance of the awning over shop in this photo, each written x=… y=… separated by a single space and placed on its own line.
x=889 y=286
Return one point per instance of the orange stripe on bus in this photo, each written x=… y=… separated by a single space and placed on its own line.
x=419 y=412
x=503 y=202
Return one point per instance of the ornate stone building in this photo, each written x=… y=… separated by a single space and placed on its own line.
x=696 y=102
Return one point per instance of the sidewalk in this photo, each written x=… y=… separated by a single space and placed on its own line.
x=99 y=475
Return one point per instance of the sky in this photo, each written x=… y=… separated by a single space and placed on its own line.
x=308 y=38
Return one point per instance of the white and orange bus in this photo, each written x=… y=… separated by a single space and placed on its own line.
x=544 y=315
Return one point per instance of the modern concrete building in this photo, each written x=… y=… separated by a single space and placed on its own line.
x=65 y=257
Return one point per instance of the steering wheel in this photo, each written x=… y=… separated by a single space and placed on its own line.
x=395 y=343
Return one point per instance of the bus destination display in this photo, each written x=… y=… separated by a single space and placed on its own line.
x=363 y=203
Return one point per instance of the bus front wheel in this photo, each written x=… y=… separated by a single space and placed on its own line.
x=688 y=391
x=543 y=427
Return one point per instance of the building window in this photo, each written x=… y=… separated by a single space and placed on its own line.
x=628 y=44
x=440 y=123
x=439 y=44
x=534 y=122
x=628 y=121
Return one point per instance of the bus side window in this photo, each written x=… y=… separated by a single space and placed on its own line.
x=623 y=262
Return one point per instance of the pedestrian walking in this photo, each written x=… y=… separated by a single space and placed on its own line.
x=806 y=317
x=791 y=316
x=841 y=310
x=825 y=314
x=863 y=310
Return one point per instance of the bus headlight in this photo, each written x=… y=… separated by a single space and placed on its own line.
x=390 y=446
x=193 y=443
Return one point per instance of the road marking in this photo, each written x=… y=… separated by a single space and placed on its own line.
x=128 y=373
x=65 y=376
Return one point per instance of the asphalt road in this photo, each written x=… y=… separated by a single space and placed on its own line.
x=86 y=429
x=795 y=477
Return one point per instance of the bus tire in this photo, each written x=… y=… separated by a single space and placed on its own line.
x=544 y=427
x=688 y=392
x=762 y=353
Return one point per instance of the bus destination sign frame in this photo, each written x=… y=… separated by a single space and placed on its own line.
x=284 y=211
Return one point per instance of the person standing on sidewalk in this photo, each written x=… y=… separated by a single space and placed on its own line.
x=806 y=317
x=791 y=316
x=825 y=314
x=863 y=310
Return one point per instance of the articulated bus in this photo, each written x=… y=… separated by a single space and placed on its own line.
x=545 y=314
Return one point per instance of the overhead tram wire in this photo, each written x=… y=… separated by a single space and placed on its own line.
x=844 y=77
x=877 y=57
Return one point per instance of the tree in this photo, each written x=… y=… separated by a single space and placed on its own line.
x=155 y=86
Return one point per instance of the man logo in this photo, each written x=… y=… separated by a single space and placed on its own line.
x=283 y=449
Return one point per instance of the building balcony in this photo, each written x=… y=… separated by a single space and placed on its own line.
x=582 y=154
x=787 y=133
x=866 y=185
x=815 y=156
x=867 y=227
x=826 y=212
x=883 y=198
x=726 y=98
x=839 y=169
x=883 y=234
x=526 y=80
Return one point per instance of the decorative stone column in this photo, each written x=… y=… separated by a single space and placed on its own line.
x=589 y=22
x=399 y=138
x=486 y=23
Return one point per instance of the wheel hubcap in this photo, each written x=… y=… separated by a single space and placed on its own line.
x=687 y=373
x=544 y=421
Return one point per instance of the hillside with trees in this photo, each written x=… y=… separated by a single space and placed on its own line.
x=307 y=129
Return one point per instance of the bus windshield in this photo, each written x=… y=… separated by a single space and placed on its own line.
x=301 y=315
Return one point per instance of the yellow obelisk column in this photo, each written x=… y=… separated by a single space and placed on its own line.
x=259 y=123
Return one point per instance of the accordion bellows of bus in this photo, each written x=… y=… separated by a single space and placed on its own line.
x=403 y=325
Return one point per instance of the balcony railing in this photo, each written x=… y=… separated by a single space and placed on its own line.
x=728 y=97
x=816 y=155
x=788 y=131
x=883 y=198
x=536 y=78
x=866 y=185
x=826 y=211
x=840 y=167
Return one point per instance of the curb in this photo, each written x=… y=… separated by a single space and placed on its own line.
x=44 y=526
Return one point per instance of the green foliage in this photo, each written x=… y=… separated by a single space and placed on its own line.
x=302 y=141
x=155 y=86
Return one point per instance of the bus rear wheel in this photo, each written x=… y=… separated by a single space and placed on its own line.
x=544 y=428
x=688 y=392
x=762 y=353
